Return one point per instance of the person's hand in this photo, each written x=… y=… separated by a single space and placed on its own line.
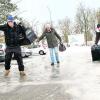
x=95 y=44
x=61 y=42
x=37 y=41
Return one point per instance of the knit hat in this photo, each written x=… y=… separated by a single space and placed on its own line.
x=10 y=18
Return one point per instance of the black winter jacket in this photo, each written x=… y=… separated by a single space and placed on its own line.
x=12 y=34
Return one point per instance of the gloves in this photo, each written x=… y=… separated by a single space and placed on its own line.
x=61 y=42
x=95 y=44
x=37 y=40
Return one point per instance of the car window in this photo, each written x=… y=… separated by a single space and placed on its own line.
x=34 y=46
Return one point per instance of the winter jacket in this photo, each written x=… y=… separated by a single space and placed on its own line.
x=51 y=37
x=97 y=36
x=12 y=35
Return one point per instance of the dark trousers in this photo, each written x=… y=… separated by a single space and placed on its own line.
x=16 y=51
x=97 y=38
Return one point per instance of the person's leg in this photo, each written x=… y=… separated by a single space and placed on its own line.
x=52 y=55
x=56 y=54
x=97 y=38
x=8 y=57
x=19 y=59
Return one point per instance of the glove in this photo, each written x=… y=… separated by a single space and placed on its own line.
x=95 y=44
x=61 y=42
x=37 y=40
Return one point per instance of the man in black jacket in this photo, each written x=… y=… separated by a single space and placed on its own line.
x=52 y=37
x=11 y=32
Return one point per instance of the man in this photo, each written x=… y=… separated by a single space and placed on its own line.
x=97 y=34
x=11 y=32
x=51 y=36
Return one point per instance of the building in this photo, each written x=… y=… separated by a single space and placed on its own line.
x=76 y=39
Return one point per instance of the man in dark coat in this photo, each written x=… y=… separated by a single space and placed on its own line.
x=51 y=36
x=97 y=34
x=11 y=32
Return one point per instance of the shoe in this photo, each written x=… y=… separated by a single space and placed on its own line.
x=58 y=62
x=22 y=73
x=7 y=72
x=52 y=64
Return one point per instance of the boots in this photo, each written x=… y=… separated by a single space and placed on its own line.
x=52 y=64
x=22 y=73
x=7 y=72
x=58 y=62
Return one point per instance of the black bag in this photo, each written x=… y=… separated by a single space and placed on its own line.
x=95 y=52
x=29 y=37
x=62 y=47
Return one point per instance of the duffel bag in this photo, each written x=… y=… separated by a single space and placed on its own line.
x=62 y=47
x=28 y=38
x=95 y=52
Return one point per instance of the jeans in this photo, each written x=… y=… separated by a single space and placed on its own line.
x=54 y=54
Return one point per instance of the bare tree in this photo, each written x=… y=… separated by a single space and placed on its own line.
x=64 y=26
x=85 y=22
x=98 y=16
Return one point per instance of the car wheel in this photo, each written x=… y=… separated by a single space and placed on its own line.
x=41 y=52
x=26 y=56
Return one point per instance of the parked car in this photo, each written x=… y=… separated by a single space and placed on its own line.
x=38 y=49
x=26 y=52
x=2 y=51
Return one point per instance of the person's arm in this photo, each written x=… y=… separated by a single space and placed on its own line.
x=22 y=30
x=97 y=37
x=41 y=37
x=58 y=36
x=2 y=27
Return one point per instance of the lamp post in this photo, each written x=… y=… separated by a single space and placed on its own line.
x=50 y=15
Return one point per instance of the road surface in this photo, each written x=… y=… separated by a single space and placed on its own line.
x=77 y=78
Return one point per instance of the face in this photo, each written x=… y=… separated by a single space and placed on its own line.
x=48 y=27
x=99 y=28
x=11 y=23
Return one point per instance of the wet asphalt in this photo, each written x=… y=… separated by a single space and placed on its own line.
x=76 y=78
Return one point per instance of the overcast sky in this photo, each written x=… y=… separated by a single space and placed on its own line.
x=40 y=9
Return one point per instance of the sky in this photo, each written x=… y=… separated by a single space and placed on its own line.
x=40 y=10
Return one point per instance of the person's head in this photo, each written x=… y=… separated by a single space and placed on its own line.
x=48 y=27
x=98 y=26
x=10 y=20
